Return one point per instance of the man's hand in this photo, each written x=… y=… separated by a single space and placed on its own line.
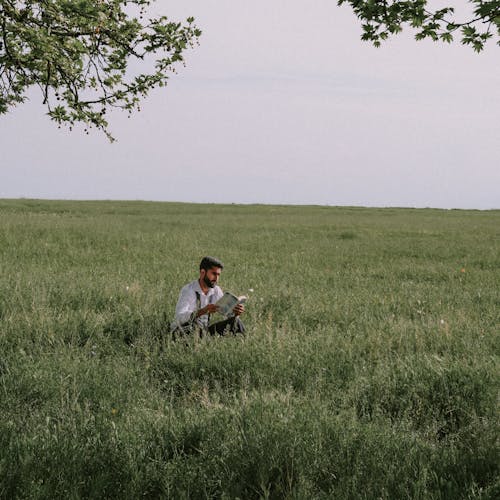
x=208 y=309
x=239 y=309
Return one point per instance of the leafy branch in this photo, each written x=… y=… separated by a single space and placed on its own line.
x=80 y=54
x=384 y=18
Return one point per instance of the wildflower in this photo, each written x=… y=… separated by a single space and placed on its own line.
x=442 y=322
x=462 y=270
x=250 y=290
x=114 y=411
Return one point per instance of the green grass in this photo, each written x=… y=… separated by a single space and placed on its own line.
x=370 y=369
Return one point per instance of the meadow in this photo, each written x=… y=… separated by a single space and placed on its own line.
x=369 y=370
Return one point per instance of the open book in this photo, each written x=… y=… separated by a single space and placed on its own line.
x=228 y=302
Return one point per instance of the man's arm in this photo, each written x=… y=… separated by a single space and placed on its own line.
x=186 y=309
x=186 y=305
x=211 y=308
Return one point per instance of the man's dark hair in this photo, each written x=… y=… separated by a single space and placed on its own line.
x=209 y=262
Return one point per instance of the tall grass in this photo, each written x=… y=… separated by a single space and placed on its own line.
x=370 y=369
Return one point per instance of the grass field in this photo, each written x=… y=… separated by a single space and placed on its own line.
x=370 y=369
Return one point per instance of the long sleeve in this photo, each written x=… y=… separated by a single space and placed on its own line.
x=186 y=305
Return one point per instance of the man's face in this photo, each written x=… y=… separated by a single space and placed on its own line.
x=211 y=276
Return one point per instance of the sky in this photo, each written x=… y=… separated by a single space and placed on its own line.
x=282 y=103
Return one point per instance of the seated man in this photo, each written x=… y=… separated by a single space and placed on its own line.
x=197 y=302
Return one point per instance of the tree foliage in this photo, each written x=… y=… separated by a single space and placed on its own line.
x=82 y=55
x=384 y=18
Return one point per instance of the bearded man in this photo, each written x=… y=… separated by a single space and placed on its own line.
x=197 y=302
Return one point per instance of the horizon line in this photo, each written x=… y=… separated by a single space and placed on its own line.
x=229 y=203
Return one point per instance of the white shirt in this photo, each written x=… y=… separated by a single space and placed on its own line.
x=186 y=305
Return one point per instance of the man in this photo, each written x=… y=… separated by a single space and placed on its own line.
x=197 y=302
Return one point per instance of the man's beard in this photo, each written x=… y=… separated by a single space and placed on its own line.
x=207 y=282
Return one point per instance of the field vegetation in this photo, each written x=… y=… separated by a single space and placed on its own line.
x=370 y=368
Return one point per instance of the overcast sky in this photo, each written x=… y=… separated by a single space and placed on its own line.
x=283 y=103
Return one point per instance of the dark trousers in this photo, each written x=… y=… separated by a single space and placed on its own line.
x=232 y=325
x=227 y=326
